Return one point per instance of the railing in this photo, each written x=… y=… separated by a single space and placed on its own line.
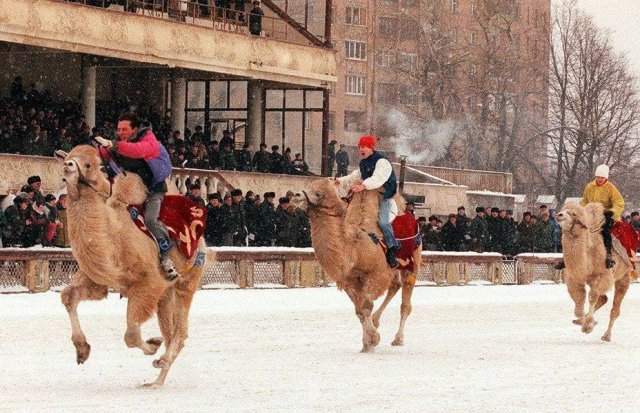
x=204 y=13
x=37 y=270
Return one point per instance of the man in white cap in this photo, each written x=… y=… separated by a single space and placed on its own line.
x=603 y=191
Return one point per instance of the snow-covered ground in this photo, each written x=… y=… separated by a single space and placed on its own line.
x=468 y=349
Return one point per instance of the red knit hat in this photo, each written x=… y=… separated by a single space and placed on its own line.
x=367 y=141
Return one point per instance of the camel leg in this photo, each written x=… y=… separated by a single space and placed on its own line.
x=166 y=316
x=622 y=285
x=405 y=307
x=578 y=294
x=364 y=307
x=81 y=288
x=181 y=304
x=589 y=323
x=391 y=292
x=142 y=303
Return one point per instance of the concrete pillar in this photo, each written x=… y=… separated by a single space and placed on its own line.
x=178 y=102
x=89 y=94
x=255 y=109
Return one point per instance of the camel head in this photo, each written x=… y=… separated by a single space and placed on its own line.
x=322 y=196
x=83 y=170
x=574 y=217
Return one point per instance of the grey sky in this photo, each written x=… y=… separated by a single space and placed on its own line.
x=622 y=17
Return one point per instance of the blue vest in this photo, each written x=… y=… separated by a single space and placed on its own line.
x=368 y=165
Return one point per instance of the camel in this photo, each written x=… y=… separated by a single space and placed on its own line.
x=347 y=253
x=584 y=256
x=113 y=253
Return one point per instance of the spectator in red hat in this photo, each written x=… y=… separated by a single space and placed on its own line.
x=376 y=172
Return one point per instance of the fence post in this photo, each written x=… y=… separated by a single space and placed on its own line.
x=453 y=273
x=36 y=275
x=291 y=273
x=497 y=274
x=245 y=273
x=526 y=275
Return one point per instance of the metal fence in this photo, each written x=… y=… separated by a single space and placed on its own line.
x=52 y=269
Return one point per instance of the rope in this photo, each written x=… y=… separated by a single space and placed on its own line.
x=406 y=239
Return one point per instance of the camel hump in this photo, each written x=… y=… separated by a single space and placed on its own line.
x=369 y=203
x=129 y=189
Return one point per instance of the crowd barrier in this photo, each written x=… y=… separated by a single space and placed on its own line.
x=44 y=269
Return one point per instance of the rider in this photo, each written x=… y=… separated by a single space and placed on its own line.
x=137 y=150
x=376 y=172
x=603 y=191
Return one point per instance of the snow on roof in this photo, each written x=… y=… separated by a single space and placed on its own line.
x=575 y=200
x=546 y=199
x=519 y=198
x=491 y=193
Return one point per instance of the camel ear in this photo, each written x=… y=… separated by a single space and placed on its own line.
x=60 y=155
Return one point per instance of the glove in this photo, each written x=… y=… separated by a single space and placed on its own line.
x=103 y=142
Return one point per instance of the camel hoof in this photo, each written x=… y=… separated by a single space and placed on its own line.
x=159 y=363
x=153 y=385
x=367 y=349
x=155 y=344
x=82 y=352
x=398 y=342
x=606 y=338
x=588 y=327
x=578 y=321
x=374 y=338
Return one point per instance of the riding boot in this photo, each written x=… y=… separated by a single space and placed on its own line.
x=606 y=238
x=391 y=257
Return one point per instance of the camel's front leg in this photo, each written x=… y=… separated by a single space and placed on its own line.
x=589 y=323
x=81 y=288
x=142 y=303
x=364 y=307
x=622 y=285
x=405 y=308
x=578 y=294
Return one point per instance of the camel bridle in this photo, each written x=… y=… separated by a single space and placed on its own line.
x=84 y=181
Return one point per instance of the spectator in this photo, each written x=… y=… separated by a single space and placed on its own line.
x=235 y=233
x=227 y=139
x=342 y=162
x=39 y=225
x=431 y=235
x=635 y=221
x=62 y=230
x=213 y=233
x=215 y=157
x=262 y=160
x=276 y=160
x=244 y=159
x=35 y=183
x=240 y=8
x=255 y=19
x=508 y=230
x=194 y=193
x=266 y=224
x=251 y=216
x=410 y=207
x=227 y=158
x=285 y=224
x=18 y=222
x=287 y=161
x=302 y=228
x=299 y=166
x=526 y=233
x=331 y=156
x=479 y=231
x=495 y=230
x=51 y=211
x=544 y=232
x=462 y=225
x=452 y=237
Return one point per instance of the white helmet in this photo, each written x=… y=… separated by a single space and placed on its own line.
x=602 y=171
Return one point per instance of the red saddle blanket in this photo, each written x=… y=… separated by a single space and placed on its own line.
x=626 y=235
x=184 y=220
x=405 y=229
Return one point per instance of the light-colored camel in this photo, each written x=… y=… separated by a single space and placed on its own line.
x=584 y=256
x=346 y=252
x=113 y=253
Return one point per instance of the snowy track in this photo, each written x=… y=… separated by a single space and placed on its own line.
x=468 y=349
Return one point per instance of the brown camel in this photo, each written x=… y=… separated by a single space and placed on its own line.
x=584 y=257
x=346 y=252
x=112 y=253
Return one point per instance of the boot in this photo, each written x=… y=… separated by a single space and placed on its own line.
x=170 y=273
x=609 y=262
x=391 y=257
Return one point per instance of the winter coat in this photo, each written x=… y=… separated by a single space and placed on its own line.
x=544 y=236
x=266 y=224
x=276 y=162
x=496 y=234
x=235 y=226
x=62 y=232
x=38 y=228
x=479 y=233
x=213 y=233
x=227 y=161
x=607 y=194
x=16 y=230
x=526 y=236
x=431 y=238
x=261 y=161
x=244 y=161
x=285 y=228
x=452 y=237
x=303 y=229
x=251 y=216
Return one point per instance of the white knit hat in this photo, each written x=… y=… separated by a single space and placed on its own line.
x=602 y=171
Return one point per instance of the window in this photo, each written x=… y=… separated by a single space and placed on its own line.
x=474 y=37
x=385 y=59
x=387 y=93
x=355 y=85
x=454 y=6
x=356 y=16
x=387 y=25
x=354 y=121
x=355 y=50
x=409 y=29
x=408 y=61
x=408 y=95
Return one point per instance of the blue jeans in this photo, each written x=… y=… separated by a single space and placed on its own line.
x=153 y=223
x=384 y=216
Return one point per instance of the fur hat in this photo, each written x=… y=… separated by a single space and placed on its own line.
x=33 y=179
x=602 y=171
x=479 y=209
x=269 y=195
x=283 y=200
x=495 y=209
x=236 y=192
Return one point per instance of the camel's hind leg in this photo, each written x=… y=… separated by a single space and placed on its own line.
x=81 y=288
x=391 y=292
x=142 y=303
x=622 y=285
x=166 y=315
x=185 y=288
x=364 y=307
x=408 y=282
